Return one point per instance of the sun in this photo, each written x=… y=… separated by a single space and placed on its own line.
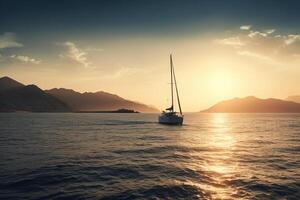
x=222 y=84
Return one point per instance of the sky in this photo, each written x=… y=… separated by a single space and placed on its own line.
x=221 y=49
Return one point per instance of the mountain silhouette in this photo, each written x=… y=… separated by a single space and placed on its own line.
x=30 y=98
x=15 y=96
x=7 y=83
x=294 y=98
x=254 y=105
x=97 y=101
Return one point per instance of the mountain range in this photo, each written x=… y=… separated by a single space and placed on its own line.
x=15 y=96
x=254 y=105
x=294 y=98
x=89 y=101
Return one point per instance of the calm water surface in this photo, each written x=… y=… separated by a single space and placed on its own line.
x=130 y=156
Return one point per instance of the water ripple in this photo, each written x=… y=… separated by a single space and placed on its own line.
x=109 y=156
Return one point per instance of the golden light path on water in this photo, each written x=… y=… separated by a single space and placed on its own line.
x=218 y=163
x=223 y=140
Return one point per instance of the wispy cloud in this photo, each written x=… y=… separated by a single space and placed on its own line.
x=254 y=55
x=245 y=27
x=8 y=40
x=263 y=45
x=264 y=33
x=75 y=53
x=125 y=71
x=290 y=39
x=93 y=49
x=253 y=34
x=270 y=31
x=119 y=73
x=25 y=59
x=231 y=41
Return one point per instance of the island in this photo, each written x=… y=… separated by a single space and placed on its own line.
x=252 y=104
x=122 y=110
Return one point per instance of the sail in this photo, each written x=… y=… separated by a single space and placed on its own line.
x=177 y=94
x=170 y=109
x=171 y=67
x=173 y=78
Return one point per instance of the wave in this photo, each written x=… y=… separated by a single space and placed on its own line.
x=160 y=192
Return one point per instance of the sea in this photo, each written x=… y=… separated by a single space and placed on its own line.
x=130 y=156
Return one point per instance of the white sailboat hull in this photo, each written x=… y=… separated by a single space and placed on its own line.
x=170 y=118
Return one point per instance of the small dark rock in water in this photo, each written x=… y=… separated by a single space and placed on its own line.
x=123 y=110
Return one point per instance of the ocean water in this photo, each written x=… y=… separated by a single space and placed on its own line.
x=130 y=156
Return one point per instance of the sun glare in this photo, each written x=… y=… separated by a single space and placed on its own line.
x=222 y=84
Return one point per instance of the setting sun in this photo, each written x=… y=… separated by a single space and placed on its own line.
x=222 y=84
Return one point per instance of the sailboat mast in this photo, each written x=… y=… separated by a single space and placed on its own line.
x=171 y=65
x=176 y=90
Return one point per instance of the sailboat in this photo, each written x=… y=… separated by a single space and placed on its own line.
x=169 y=115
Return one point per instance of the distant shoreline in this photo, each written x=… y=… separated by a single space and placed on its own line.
x=109 y=111
x=97 y=111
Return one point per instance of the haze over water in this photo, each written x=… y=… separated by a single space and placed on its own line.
x=131 y=156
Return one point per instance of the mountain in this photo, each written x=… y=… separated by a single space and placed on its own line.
x=254 y=105
x=15 y=96
x=30 y=98
x=7 y=83
x=98 y=101
x=294 y=98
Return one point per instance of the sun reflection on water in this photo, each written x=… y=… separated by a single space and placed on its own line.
x=219 y=163
x=221 y=137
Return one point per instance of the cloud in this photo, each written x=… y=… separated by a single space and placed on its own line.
x=263 y=45
x=253 y=34
x=76 y=54
x=125 y=71
x=119 y=73
x=254 y=55
x=290 y=39
x=231 y=41
x=265 y=33
x=93 y=49
x=245 y=27
x=8 y=40
x=270 y=31
x=25 y=59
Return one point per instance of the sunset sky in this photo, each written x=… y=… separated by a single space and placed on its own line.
x=221 y=49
